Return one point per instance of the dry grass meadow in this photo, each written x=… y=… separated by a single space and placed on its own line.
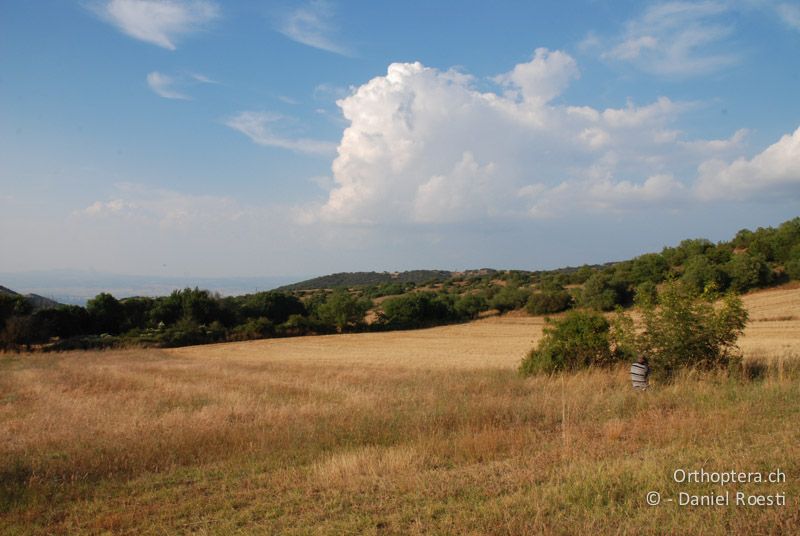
x=416 y=432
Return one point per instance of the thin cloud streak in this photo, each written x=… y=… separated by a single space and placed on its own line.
x=313 y=25
x=160 y=23
x=258 y=126
x=162 y=85
x=679 y=39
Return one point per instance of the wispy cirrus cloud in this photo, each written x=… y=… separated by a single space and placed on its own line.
x=202 y=78
x=790 y=14
x=174 y=87
x=673 y=39
x=164 y=86
x=314 y=25
x=260 y=127
x=159 y=22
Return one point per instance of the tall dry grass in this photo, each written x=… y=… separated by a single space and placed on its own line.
x=142 y=441
x=404 y=433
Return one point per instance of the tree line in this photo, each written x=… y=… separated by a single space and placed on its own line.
x=752 y=259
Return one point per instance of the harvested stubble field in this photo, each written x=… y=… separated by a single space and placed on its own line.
x=417 y=432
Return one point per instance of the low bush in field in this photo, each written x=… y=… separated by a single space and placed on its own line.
x=470 y=306
x=578 y=340
x=683 y=330
x=678 y=330
x=256 y=328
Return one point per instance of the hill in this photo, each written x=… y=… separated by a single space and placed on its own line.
x=357 y=279
x=37 y=302
x=417 y=277
x=40 y=302
x=7 y=291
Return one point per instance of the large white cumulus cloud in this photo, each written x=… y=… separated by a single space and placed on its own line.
x=425 y=146
x=775 y=171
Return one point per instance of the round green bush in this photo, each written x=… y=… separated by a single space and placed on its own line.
x=578 y=340
x=548 y=302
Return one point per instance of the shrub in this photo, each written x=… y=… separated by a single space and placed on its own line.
x=578 y=340
x=341 y=309
x=18 y=331
x=601 y=293
x=302 y=325
x=508 y=298
x=186 y=332
x=106 y=313
x=699 y=272
x=650 y=267
x=275 y=306
x=13 y=305
x=63 y=321
x=416 y=309
x=556 y=281
x=470 y=305
x=542 y=303
x=748 y=271
x=255 y=328
x=385 y=289
x=581 y=275
x=685 y=330
x=646 y=292
x=793 y=264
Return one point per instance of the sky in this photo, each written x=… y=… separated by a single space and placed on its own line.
x=201 y=138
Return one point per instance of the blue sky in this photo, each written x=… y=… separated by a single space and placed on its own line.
x=208 y=139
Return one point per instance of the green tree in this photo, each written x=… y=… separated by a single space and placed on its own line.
x=548 y=302
x=63 y=321
x=649 y=267
x=254 y=328
x=13 y=305
x=199 y=306
x=18 y=331
x=748 y=271
x=582 y=274
x=136 y=312
x=167 y=310
x=600 y=293
x=685 y=330
x=787 y=240
x=470 y=305
x=276 y=306
x=699 y=272
x=793 y=263
x=646 y=292
x=342 y=310
x=508 y=298
x=106 y=313
x=417 y=309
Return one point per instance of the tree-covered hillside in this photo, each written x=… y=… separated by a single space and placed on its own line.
x=354 y=279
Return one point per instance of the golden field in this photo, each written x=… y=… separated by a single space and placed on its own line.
x=415 y=432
